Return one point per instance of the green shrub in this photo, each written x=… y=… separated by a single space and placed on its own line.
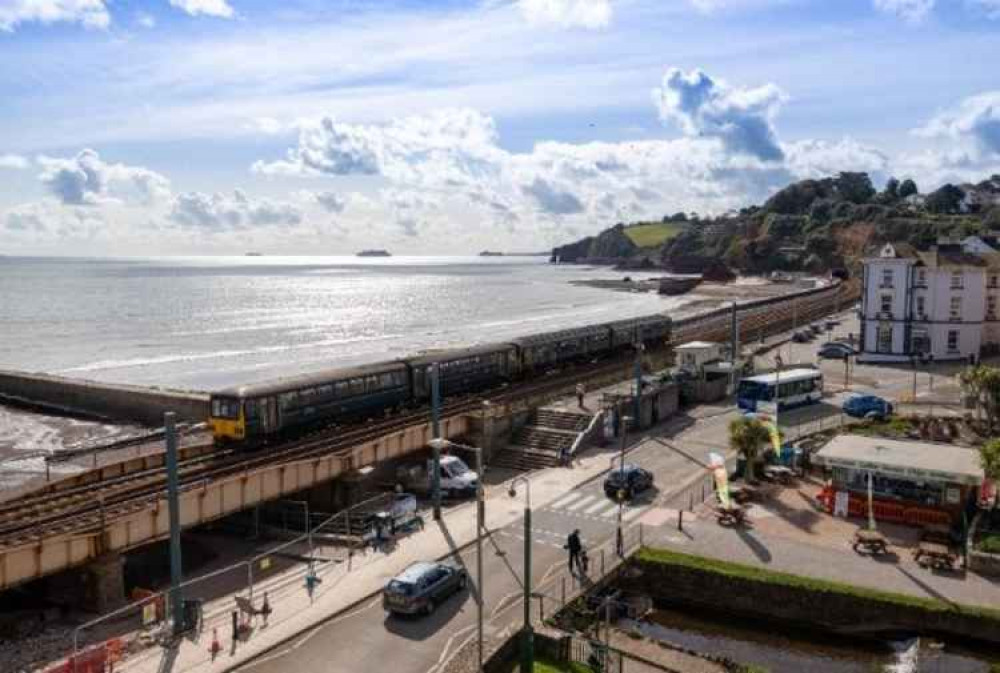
x=990 y=544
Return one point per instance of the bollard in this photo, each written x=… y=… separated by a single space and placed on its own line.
x=216 y=646
x=602 y=563
x=680 y=519
x=690 y=501
x=703 y=491
x=564 y=591
x=642 y=542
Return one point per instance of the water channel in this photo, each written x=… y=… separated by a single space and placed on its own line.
x=782 y=650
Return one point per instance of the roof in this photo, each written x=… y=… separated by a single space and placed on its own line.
x=920 y=461
x=448 y=354
x=786 y=375
x=950 y=256
x=295 y=382
x=415 y=571
x=693 y=345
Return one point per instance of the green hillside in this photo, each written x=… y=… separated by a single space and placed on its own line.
x=653 y=234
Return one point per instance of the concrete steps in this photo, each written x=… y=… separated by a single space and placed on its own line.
x=541 y=443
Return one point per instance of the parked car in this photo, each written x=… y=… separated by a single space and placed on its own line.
x=631 y=479
x=422 y=587
x=834 y=350
x=803 y=336
x=868 y=406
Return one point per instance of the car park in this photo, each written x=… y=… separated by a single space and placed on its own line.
x=422 y=587
x=627 y=480
x=868 y=406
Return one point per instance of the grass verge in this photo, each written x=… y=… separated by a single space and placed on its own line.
x=764 y=576
x=546 y=666
x=652 y=235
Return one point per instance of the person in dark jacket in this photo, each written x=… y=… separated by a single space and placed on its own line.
x=574 y=546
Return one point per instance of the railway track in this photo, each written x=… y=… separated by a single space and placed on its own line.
x=87 y=507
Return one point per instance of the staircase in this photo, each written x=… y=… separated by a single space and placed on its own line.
x=540 y=443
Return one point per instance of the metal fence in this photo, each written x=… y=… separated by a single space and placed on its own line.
x=229 y=603
x=596 y=655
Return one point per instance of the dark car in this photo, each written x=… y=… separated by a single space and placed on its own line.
x=422 y=587
x=631 y=479
x=802 y=336
x=868 y=406
x=835 y=350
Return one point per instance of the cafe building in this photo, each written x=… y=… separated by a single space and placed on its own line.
x=915 y=483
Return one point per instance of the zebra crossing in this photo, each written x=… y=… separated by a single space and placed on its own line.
x=595 y=506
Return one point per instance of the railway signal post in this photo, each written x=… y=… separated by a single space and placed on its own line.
x=176 y=598
x=435 y=446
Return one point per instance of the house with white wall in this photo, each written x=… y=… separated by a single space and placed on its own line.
x=941 y=303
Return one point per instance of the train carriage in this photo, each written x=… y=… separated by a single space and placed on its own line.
x=462 y=369
x=542 y=351
x=265 y=409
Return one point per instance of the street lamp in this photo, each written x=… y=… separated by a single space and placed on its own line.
x=309 y=538
x=439 y=446
x=639 y=348
x=527 y=636
x=619 y=538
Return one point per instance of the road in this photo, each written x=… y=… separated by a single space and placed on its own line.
x=419 y=645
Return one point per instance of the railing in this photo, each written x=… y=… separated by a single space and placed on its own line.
x=587 y=435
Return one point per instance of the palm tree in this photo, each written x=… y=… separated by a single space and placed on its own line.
x=746 y=436
x=982 y=384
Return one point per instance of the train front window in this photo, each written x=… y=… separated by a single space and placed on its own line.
x=225 y=407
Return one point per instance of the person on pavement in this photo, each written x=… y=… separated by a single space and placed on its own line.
x=573 y=545
x=580 y=390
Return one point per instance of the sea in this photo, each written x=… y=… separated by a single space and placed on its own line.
x=209 y=322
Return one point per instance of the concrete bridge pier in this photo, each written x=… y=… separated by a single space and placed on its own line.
x=106 y=582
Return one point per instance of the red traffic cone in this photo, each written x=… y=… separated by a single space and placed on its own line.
x=216 y=646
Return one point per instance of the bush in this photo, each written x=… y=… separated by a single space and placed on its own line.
x=990 y=543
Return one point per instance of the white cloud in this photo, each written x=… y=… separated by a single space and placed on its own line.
x=45 y=221
x=912 y=11
x=740 y=118
x=820 y=158
x=990 y=7
x=90 y=13
x=976 y=119
x=567 y=13
x=87 y=180
x=220 y=8
x=13 y=161
x=219 y=212
x=553 y=198
x=145 y=20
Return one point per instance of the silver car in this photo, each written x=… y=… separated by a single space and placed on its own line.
x=422 y=587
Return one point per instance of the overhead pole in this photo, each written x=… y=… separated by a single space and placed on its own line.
x=734 y=343
x=173 y=504
x=436 y=431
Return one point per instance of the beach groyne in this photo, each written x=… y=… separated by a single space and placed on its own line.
x=112 y=401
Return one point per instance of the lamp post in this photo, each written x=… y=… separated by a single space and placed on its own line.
x=439 y=445
x=623 y=426
x=639 y=348
x=777 y=388
x=527 y=636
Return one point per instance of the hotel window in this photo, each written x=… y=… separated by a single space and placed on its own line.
x=956 y=279
x=991 y=306
x=887 y=278
x=885 y=303
x=955 y=312
x=920 y=306
x=920 y=342
x=922 y=277
x=993 y=280
x=953 y=341
x=885 y=339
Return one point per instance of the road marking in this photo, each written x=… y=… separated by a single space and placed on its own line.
x=608 y=508
x=565 y=500
x=447 y=647
x=578 y=505
x=631 y=513
x=600 y=504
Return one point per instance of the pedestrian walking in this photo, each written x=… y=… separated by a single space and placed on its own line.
x=580 y=391
x=574 y=546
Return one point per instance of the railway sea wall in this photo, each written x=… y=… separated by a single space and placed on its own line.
x=107 y=400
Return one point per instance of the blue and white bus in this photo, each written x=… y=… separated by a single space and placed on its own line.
x=797 y=386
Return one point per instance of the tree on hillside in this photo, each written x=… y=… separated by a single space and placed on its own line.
x=989 y=458
x=946 y=200
x=992 y=219
x=892 y=188
x=855 y=187
x=907 y=188
x=746 y=435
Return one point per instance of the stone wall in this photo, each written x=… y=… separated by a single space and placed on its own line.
x=108 y=400
x=983 y=563
x=675 y=584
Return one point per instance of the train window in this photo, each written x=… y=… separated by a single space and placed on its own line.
x=250 y=408
x=325 y=391
x=358 y=386
x=385 y=381
x=371 y=383
x=342 y=388
x=288 y=400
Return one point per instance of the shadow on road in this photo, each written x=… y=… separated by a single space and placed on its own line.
x=756 y=546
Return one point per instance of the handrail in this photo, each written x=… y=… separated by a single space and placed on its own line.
x=585 y=435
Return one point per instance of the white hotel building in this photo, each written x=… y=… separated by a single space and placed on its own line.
x=942 y=302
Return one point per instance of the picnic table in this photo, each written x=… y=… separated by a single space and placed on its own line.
x=731 y=516
x=871 y=541
x=934 y=555
x=779 y=473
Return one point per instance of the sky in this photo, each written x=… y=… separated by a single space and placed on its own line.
x=322 y=127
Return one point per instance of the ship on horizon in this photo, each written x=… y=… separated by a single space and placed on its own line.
x=374 y=253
